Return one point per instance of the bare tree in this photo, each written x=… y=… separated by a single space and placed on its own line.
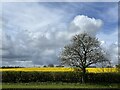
x=83 y=51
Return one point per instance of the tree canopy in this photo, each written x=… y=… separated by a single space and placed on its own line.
x=83 y=51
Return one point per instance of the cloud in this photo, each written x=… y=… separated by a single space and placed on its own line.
x=85 y=24
x=81 y=24
x=110 y=12
x=30 y=16
x=108 y=38
x=42 y=47
x=113 y=51
x=0 y=33
x=35 y=34
x=30 y=33
x=110 y=45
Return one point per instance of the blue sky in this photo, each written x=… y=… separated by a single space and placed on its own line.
x=35 y=33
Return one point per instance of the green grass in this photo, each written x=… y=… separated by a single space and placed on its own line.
x=57 y=85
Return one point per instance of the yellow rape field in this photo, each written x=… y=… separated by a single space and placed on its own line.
x=47 y=69
x=101 y=70
x=61 y=69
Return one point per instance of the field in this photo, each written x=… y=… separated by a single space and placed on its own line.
x=59 y=77
x=62 y=69
x=58 y=85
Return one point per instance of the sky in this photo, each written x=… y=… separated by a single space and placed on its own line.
x=34 y=33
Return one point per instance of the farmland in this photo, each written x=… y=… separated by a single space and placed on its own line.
x=62 y=69
x=57 y=77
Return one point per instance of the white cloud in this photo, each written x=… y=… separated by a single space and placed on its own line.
x=30 y=16
x=30 y=33
x=42 y=46
x=113 y=50
x=110 y=45
x=85 y=24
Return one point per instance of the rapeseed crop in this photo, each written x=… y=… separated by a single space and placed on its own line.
x=61 y=69
x=47 y=69
x=101 y=70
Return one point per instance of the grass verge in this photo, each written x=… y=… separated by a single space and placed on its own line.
x=47 y=85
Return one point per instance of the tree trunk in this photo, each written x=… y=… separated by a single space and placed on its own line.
x=83 y=75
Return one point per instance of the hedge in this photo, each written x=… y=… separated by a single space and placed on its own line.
x=26 y=77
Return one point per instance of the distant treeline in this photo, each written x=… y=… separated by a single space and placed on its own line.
x=11 y=67
x=50 y=65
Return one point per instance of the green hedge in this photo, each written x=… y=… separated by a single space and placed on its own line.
x=104 y=77
x=26 y=77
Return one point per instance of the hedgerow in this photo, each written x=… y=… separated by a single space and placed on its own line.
x=26 y=77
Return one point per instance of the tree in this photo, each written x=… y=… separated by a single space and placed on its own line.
x=44 y=66
x=51 y=65
x=83 y=51
x=118 y=67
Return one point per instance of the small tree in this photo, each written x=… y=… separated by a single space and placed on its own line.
x=50 y=65
x=83 y=51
